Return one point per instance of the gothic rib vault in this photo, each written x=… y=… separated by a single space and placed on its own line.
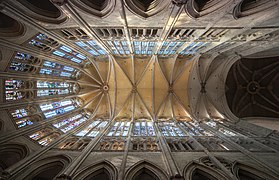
x=139 y=89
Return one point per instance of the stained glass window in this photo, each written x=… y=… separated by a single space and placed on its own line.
x=46 y=88
x=56 y=108
x=91 y=47
x=48 y=139
x=12 y=89
x=93 y=129
x=143 y=129
x=143 y=47
x=194 y=129
x=170 y=129
x=120 y=128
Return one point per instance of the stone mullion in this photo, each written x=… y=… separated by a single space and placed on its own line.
x=43 y=55
x=241 y=149
x=36 y=126
x=172 y=167
x=125 y=153
x=69 y=171
x=173 y=17
x=229 y=7
x=209 y=154
x=10 y=10
x=13 y=170
x=68 y=9
x=26 y=102
x=128 y=142
x=37 y=53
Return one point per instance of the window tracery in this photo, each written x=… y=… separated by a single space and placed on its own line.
x=93 y=129
x=47 y=44
x=170 y=47
x=120 y=128
x=194 y=129
x=45 y=136
x=46 y=88
x=59 y=107
x=170 y=129
x=16 y=89
x=143 y=47
x=25 y=116
x=91 y=46
x=143 y=128
x=23 y=62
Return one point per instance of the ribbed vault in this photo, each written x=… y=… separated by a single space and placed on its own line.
x=138 y=87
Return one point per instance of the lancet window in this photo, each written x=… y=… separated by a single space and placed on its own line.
x=71 y=122
x=15 y=89
x=143 y=128
x=26 y=63
x=120 y=128
x=44 y=136
x=170 y=129
x=194 y=129
x=46 y=88
x=55 y=69
x=25 y=116
x=47 y=44
x=93 y=129
x=59 y=107
x=92 y=47
x=143 y=47
x=119 y=47
x=170 y=47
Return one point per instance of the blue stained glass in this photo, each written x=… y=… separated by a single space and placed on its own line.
x=67 y=68
x=102 y=51
x=81 y=56
x=93 y=52
x=66 y=49
x=81 y=44
x=76 y=60
x=58 y=53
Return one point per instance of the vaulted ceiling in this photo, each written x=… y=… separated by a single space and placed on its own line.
x=136 y=87
x=252 y=87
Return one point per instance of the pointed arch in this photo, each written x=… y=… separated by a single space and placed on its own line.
x=10 y=27
x=250 y=7
x=102 y=170
x=196 y=171
x=146 y=8
x=46 y=168
x=98 y=8
x=147 y=169
x=43 y=10
x=11 y=154
x=248 y=172
x=199 y=8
